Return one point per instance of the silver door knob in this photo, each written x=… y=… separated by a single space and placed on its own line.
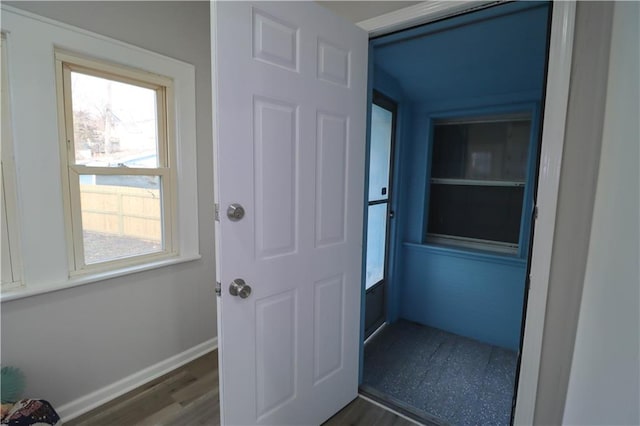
x=235 y=212
x=239 y=288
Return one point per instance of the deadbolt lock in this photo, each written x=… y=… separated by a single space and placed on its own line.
x=235 y=212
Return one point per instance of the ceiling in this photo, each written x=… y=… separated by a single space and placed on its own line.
x=495 y=51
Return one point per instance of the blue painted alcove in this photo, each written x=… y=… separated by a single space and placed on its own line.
x=487 y=62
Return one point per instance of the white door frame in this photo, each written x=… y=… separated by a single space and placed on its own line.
x=555 y=114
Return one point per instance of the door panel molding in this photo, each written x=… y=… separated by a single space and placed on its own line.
x=289 y=147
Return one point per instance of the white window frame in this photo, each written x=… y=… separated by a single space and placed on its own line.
x=33 y=42
x=163 y=86
x=10 y=237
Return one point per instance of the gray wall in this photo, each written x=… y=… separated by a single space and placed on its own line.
x=604 y=385
x=75 y=341
x=356 y=11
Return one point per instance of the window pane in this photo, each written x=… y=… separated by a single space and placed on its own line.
x=482 y=212
x=481 y=151
x=6 y=274
x=380 y=153
x=121 y=216
x=376 y=243
x=114 y=123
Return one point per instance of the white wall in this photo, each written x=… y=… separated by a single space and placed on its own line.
x=576 y=197
x=76 y=341
x=604 y=385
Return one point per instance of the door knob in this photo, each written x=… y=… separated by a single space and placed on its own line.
x=235 y=212
x=239 y=288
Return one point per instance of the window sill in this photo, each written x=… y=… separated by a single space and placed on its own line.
x=28 y=291
x=468 y=253
x=472 y=245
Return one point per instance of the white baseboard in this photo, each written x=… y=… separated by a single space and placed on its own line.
x=86 y=403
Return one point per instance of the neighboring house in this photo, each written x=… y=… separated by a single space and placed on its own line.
x=74 y=344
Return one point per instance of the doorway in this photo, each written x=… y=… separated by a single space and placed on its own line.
x=471 y=89
x=345 y=54
x=379 y=209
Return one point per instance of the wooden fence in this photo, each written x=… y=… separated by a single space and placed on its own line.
x=121 y=210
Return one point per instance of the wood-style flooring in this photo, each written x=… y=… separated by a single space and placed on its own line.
x=189 y=396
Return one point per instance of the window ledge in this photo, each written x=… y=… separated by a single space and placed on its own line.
x=28 y=291
x=468 y=253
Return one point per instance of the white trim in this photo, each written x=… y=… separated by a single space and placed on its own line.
x=84 y=404
x=421 y=13
x=11 y=234
x=213 y=20
x=104 y=69
x=553 y=134
x=28 y=291
x=557 y=98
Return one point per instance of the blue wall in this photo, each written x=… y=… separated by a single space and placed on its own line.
x=464 y=293
x=493 y=62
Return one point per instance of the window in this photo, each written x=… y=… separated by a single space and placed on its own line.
x=10 y=268
x=478 y=177
x=118 y=155
x=106 y=188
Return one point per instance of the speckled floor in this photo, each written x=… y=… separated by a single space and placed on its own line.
x=457 y=380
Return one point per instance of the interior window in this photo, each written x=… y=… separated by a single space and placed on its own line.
x=120 y=176
x=477 y=182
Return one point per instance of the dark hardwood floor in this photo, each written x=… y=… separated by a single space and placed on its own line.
x=363 y=413
x=189 y=396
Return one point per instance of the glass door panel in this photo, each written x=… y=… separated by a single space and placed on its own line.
x=380 y=153
x=376 y=243
x=383 y=112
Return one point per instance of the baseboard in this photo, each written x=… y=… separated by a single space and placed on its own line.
x=86 y=403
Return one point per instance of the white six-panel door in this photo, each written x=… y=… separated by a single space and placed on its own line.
x=290 y=105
